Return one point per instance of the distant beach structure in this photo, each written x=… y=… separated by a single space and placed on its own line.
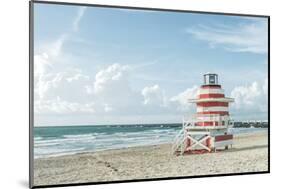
x=208 y=129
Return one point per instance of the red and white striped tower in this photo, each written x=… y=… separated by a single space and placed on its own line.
x=207 y=130
x=211 y=102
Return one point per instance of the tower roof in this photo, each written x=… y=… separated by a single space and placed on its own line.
x=210 y=73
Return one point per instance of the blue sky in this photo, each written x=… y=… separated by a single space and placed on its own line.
x=105 y=66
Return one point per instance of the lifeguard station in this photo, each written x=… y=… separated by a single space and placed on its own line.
x=207 y=130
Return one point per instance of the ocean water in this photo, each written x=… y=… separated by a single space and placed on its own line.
x=62 y=140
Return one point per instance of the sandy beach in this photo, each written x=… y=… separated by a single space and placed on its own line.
x=249 y=154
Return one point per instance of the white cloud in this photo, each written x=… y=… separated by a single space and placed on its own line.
x=78 y=18
x=153 y=96
x=181 y=100
x=62 y=92
x=111 y=88
x=56 y=88
x=107 y=108
x=250 y=37
x=56 y=47
x=60 y=106
x=250 y=99
x=111 y=79
x=41 y=66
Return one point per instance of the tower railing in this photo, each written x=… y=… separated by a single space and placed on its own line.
x=190 y=121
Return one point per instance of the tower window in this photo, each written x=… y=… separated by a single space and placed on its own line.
x=210 y=79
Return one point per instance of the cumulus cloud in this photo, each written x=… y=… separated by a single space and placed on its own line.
x=153 y=96
x=57 y=89
x=111 y=88
x=72 y=91
x=249 y=37
x=111 y=79
x=180 y=101
x=251 y=99
x=61 y=92
x=55 y=84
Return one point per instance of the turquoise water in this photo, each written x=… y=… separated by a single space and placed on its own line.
x=61 y=140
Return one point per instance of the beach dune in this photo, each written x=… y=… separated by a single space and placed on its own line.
x=249 y=154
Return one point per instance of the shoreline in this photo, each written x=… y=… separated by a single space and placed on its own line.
x=249 y=154
x=124 y=148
